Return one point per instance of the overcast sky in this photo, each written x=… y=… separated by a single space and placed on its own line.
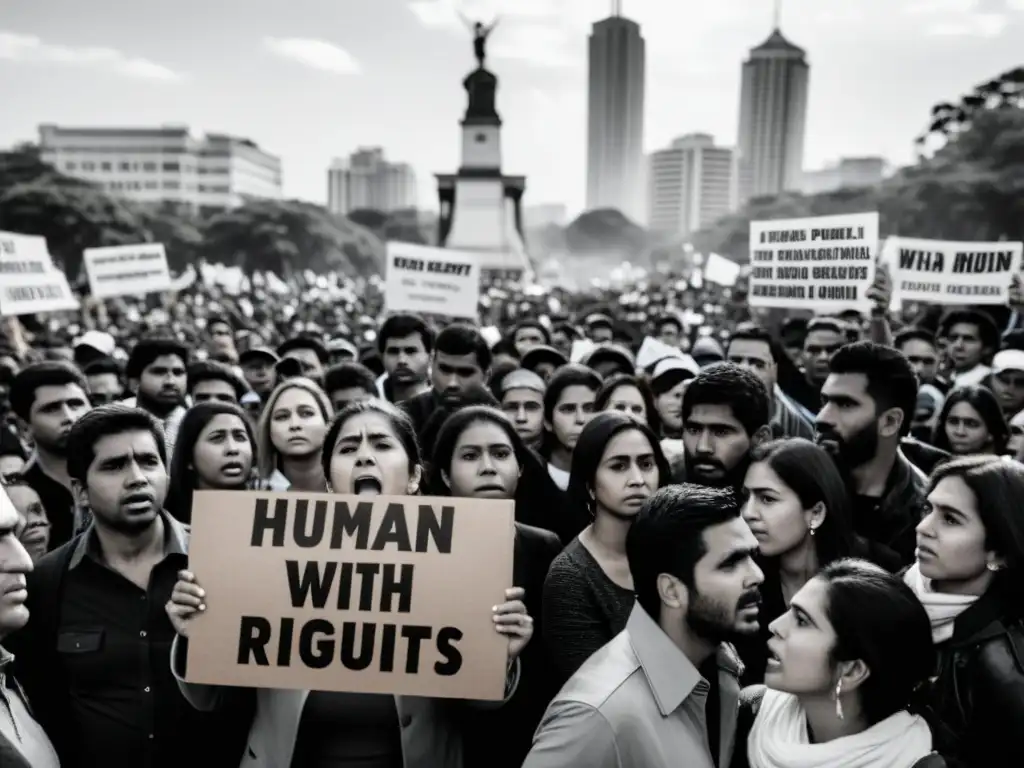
x=314 y=79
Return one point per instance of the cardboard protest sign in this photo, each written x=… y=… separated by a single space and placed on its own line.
x=652 y=350
x=721 y=271
x=390 y=594
x=826 y=263
x=946 y=272
x=127 y=270
x=29 y=280
x=432 y=281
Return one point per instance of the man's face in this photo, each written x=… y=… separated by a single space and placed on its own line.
x=526 y=409
x=725 y=599
x=309 y=363
x=454 y=374
x=527 y=338
x=964 y=346
x=222 y=338
x=340 y=398
x=819 y=346
x=163 y=381
x=561 y=341
x=847 y=424
x=406 y=360
x=126 y=483
x=33 y=524
x=669 y=333
x=756 y=357
x=923 y=358
x=104 y=388
x=259 y=374
x=214 y=390
x=55 y=409
x=1008 y=387
x=716 y=445
x=15 y=564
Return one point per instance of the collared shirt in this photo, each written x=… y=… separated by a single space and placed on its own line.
x=638 y=702
x=171 y=423
x=113 y=648
x=791 y=419
x=17 y=726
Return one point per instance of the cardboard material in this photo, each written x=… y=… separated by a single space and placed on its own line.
x=29 y=280
x=127 y=270
x=431 y=281
x=347 y=593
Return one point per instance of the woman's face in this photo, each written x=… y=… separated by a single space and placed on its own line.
x=966 y=430
x=628 y=400
x=297 y=425
x=484 y=464
x=774 y=513
x=801 y=643
x=627 y=475
x=951 y=538
x=670 y=407
x=370 y=460
x=223 y=454
x=574 y=409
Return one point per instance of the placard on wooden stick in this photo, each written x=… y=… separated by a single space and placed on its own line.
x=391 y=594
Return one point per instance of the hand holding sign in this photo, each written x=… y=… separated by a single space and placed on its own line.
x=187 y=599
x=880 y=292
x=512 y=619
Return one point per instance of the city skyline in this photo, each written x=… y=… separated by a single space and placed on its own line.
x=312 y=80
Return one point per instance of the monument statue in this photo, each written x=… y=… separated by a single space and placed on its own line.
x=480 y=32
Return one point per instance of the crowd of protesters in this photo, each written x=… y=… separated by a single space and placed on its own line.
x=783 y=545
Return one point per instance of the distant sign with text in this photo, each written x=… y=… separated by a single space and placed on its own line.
x=127 y=270
x=432 y=281
x=945 y=272
x=29 y=280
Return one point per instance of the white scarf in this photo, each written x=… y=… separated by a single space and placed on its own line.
x=942 y=609
x=779 y=739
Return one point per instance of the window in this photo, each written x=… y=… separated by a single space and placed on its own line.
x=88 y=166
x=106 y=167
x=151 y=167
x=172 y=185
x=152 y=185
x=125 y=166
x=71 y=166
x=172 y=166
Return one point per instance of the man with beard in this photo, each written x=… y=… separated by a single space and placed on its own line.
x=48 y=398
x=95 y=658
x=405 y=343
x=157 y=371
x=461 y=359
x=868 y=404
x=665 y=691
x=726 y=412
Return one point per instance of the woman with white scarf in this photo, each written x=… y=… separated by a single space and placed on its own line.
x=969 y=576
x=843 y=662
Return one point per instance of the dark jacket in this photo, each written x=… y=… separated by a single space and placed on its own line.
x=892 y=521
x=975 y=704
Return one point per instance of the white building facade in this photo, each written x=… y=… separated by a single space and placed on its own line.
x=691 y=184
x=367 y=180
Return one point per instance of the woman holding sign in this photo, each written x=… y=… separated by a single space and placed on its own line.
x=479 y=455
x=370 y=450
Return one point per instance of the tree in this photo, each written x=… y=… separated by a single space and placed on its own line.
x=402 y=226
x=604 y=231
x=949 y=120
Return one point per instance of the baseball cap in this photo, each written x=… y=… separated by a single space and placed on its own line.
x=1008 y=360
x=102 y=342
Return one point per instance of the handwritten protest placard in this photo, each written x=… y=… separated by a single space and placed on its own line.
x=433 y=281
x=348 y=593
x=826 y=263
x=947 y=272
x=29 y=280
x=127 y=270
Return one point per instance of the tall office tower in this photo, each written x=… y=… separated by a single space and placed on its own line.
x=615 y=118
x=773 y=114
x=367 y=180
x=690 y=185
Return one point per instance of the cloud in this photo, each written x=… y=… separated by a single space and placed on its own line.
x=940 y=7
x=1015 y=5
x=984 y=25
x=31 y=49
x=317 y=54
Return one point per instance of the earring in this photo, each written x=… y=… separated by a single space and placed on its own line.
x=992 y=567
x=839 y=702
x=813 y=530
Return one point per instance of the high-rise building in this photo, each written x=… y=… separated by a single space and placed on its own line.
x=164 y=165
x=849 y=172
x=690 y=185
x=773 y=113
x=367 y=180
x=615 y=116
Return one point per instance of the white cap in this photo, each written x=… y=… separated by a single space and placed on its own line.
x=684 y=363
x=1008 y=360
x=102 y=342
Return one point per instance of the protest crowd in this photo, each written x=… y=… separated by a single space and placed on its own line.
x=754 y=527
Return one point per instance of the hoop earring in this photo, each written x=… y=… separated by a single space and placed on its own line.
x=839 y=702
x=813 y=530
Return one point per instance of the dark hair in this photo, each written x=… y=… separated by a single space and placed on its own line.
x=400 y=326
x=879 y=620
x=464 y=339
x=667 y=536
x=664 y=320
x=10 y=445
x=568 y=329
x=348 y=375
x=730 y=385
x=213 y=320
x=499 y=371
x=892 y=383
x=832 y=324
x=587 y=455
x=305 y=342
x=612 y=383
x=998 y=487
x=536 y=324
x=472 y=395
x=914 y=333
x=103 y=365
x=399 y=420
x=988 y=333
x=105 y=421
x=985 y=403
x=146 y=351
x=571 y=375
x=211 y=370
x=809 y=471
x=183 y=475
x=451 y=431
x=47 y=374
